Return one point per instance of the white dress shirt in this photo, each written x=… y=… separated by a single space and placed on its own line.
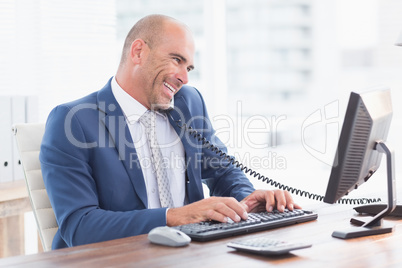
x=171 y=147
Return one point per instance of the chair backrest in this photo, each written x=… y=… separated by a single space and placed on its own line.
x=29 y=137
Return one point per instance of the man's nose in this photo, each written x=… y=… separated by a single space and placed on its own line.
x=182 y=75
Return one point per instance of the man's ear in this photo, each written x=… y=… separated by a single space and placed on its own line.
x=137 y=50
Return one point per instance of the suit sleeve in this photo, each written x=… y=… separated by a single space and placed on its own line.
x=72 y=189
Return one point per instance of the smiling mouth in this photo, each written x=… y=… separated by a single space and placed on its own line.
x=170 y=87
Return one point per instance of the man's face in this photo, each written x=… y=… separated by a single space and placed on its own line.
x=167 y=65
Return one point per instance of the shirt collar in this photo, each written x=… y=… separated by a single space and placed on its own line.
x=132 y=109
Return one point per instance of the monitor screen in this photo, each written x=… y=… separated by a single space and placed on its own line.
x=367 y=121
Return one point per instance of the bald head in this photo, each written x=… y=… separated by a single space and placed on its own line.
x=151 y=29
x=158 y=54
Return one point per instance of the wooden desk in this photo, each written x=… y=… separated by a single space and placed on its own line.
x=374 y=251
x=14 y=202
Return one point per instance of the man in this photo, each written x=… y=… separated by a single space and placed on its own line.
x=94 y=149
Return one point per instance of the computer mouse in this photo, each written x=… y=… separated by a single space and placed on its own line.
x=168 y=236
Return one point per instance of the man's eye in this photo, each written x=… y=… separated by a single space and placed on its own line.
x=177 y=59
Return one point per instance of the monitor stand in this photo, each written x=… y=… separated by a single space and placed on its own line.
x=375 y=225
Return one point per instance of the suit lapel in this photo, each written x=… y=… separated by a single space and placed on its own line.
x=179 y=116
x=116 y=127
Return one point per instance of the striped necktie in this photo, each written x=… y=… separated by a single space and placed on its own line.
x=148 y=120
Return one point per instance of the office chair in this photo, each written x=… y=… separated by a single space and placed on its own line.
x=29 y=138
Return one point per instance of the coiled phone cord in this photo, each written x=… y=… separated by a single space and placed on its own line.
x=263 y=178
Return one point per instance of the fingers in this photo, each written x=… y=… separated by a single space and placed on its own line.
x=222 y=209
x=284 y=200
x=268 y=200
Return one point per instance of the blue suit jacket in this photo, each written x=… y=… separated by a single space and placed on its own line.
x=93 y=176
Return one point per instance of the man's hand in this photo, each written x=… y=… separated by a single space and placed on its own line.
x=267 y=200
x=224 y=208
x=213 y=208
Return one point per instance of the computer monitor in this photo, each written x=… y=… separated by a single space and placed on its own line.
x=359 y=152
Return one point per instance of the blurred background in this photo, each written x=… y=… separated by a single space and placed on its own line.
x=276 y=74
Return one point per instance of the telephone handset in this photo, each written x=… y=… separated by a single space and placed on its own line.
x=192 y=132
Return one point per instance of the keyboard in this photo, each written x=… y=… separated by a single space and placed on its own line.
x=211 y=230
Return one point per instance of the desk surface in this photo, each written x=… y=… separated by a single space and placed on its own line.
x=13 y=198
x=14 y=202
x=373 y=251
x=13 y=190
